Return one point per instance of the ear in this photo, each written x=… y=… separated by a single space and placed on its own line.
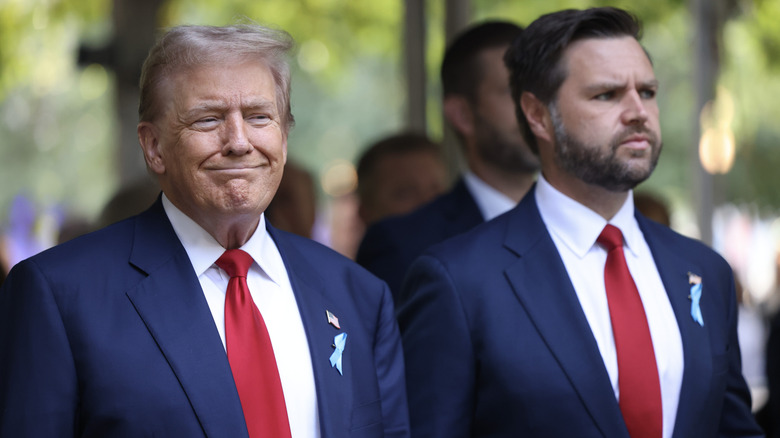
x=538 y=117
x=148 y=137
x=284 y=150
x=458 y=112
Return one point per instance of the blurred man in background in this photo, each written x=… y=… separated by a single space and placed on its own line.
x=500 y=168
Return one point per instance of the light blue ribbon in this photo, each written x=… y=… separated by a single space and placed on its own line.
x=695 y=307
x=335 y=359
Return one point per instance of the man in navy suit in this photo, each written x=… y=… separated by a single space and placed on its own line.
x=478 y=106
x=507 y=329
x=121 y=333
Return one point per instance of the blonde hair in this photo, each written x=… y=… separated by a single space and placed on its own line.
x=185 y=47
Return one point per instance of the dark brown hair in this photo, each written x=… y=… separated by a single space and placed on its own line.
x=534 y=59
x=461 y=69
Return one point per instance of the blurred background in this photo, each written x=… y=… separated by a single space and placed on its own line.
x=367 y=69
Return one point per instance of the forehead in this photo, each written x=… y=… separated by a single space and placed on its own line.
x=607 y=59
x=227 y=83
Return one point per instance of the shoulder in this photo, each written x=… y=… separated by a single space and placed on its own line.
x=91 y=250
x=660 y=236
x=472 y=255
x=79 y=273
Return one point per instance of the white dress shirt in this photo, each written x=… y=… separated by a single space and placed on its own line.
x=574 y=229
x=271 y=291
x=490 y=201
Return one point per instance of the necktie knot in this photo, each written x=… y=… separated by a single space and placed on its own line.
x=235 y=262
x=611 y=237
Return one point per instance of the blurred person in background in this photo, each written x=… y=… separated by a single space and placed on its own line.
x=294 y=207
x=478 y=106
x=398 y=174
x=653 y=207
x=128 y=201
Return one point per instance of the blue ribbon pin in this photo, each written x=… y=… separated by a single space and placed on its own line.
x=695 y=282
x=335 y=359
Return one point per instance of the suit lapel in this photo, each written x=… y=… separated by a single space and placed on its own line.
x=697 y=370
x=333 y=389
x=541 y=283
x=171 y=303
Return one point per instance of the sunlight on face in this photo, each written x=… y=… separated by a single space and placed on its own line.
x=221 y=144
x=607 y=131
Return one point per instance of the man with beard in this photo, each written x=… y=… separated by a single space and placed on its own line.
x=544 y=322
x=478 y=106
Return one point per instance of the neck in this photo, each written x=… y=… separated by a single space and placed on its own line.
x=604 y=202
x=233 y=234
x=231 y=231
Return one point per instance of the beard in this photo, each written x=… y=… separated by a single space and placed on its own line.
x=594 y=165
x=502 y=150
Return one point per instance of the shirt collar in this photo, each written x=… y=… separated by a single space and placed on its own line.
x=490 y=201
x=576 y=225
x=203 y=250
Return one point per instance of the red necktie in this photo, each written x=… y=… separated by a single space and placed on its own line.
x=251 y=354
x=639 y=387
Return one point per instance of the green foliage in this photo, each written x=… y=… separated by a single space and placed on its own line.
x=54 y=124
x=38 y=38
x=752 y=181
x=765 y=28
x=347 y=30
x=750 y=73
x=59 y=128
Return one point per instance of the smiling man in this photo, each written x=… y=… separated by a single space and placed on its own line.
x=572 y=315
x=197 y=317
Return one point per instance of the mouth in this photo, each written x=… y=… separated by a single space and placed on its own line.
x=234 y=168
x=636 y=141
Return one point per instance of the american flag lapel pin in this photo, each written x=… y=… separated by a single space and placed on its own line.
x=332 y=320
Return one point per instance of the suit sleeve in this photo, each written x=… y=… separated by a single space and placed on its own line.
x=438 y=350
x=390 y=371
x=737 y=420
x=38 y=382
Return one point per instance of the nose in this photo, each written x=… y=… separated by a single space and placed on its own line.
x=236 y=140
x=635 y=109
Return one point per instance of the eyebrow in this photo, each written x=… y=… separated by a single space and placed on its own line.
x=220 y=106
x=600 y=86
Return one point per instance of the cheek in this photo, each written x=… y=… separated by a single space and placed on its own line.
x=654 y=115
x=580 y=123
x=271 y=144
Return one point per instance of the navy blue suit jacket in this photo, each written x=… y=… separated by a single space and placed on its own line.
x=496 y=343
x=110 y=335
x=391 y=245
